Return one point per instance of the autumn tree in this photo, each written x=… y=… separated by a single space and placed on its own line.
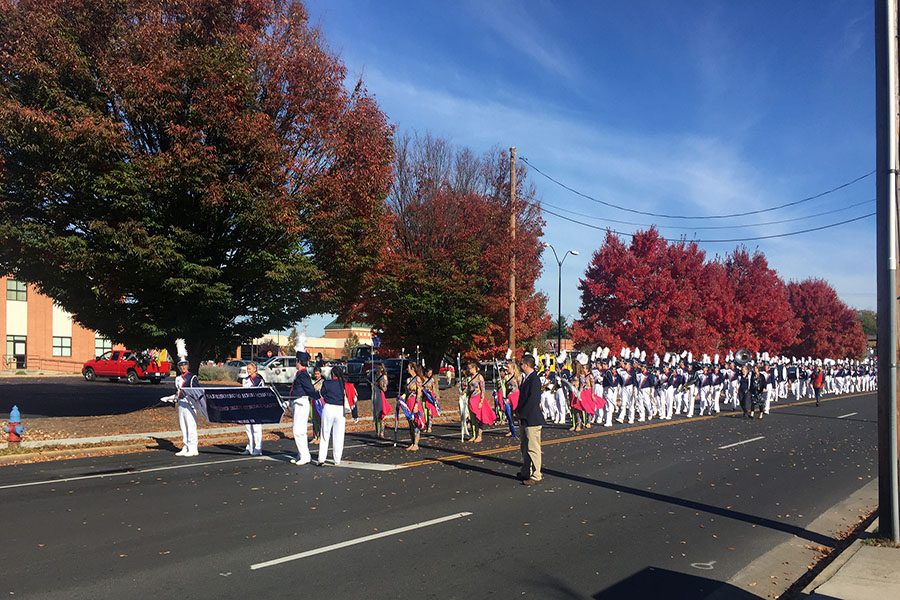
x=644 y=294
x=190 y=169
x=663 y=296
x=828 y=327
x=766 y=320
x=443 y=281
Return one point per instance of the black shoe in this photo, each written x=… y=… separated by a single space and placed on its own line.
x=521 y=477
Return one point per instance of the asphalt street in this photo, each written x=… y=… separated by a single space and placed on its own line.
x=75 y=397
x=674 y=508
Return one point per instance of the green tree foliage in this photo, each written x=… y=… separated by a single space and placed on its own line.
x=869 y=321
x=349 y=344
x=193 y=169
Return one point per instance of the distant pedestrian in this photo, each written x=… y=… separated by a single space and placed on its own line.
x=334 y=422
x=745 y=390
x=818 y=382
x=254 y=432
x=531 y=419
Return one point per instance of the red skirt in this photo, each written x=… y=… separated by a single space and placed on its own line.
x=514 y=399
x=599 y=402
x=584 y=401
x=385 y=406
x=485 y=414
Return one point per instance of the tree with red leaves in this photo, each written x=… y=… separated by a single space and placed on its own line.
x=193 y=168
x=663 y=296
x=828 y=327
x=443 y=281
x=766 y=320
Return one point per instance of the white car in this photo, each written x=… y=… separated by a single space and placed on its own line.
x=278 y=369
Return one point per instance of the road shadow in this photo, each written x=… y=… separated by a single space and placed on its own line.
x=74 y=397
x=695 y=505
x=164 y=444
x=654 y=582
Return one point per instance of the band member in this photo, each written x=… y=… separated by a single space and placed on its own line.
x=745 y=390
x=413 y=399
x=254 y=432
x=333 y=420
x=510 y=385
x=187 y=416
x=316 y=405
x=380 y=405
x=582 y=399
x=479 y=407
x=429 y=397
x=302 y=391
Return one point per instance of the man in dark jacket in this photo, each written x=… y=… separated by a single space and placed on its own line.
x=532 y=419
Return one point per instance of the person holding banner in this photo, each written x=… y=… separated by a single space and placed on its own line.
x=254 y=432
x=333 y=420
x=302 y=392
x=187 y=416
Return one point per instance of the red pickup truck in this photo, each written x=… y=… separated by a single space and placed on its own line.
x=132 y=366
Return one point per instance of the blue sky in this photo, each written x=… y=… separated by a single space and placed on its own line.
x=691 y=108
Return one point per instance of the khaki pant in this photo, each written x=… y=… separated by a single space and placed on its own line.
x=531 y=452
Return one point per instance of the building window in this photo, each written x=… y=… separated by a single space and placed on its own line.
x=62 y=346
x=16 y=290
x=101 y=345
x=15 y=350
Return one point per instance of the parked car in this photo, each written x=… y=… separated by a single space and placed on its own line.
x=278 y=369
x=234 y=366
x=128 y=365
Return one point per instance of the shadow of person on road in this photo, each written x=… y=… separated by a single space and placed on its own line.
x=654 y=582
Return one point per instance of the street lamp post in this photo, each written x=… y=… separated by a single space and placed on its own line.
x=559 y=293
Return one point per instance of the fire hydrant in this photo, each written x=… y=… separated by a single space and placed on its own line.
x=15 y=429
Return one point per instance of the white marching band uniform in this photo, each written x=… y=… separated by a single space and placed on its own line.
x=630 y=388
x=187 y=415
x=254 y=432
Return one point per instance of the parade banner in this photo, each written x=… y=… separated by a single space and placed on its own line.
x=246 y=406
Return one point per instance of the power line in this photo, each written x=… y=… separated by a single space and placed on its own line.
x=699 y=241
x=726 y=216
x=740 y=226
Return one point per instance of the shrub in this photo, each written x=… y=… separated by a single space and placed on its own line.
x=214 y=373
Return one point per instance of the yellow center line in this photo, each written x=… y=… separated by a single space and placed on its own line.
x=597 y=434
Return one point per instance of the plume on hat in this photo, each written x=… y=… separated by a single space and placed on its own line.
x=582 y=358
x=300 y=346
x=508 y=353
x=181 y=349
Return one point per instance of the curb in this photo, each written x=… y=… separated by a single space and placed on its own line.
x=839 y=561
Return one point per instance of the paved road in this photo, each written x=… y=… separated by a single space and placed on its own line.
x=675 y=509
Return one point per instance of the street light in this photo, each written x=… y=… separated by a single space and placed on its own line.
x=559 y=293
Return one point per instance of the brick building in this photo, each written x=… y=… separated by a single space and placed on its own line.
x=39 y=335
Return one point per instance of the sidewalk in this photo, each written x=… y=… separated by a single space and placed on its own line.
x=862 y=572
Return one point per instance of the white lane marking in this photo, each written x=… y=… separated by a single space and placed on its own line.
x=756 y=439
x=352 y=464
x=135 y=472
x=360 y=540
x=847 y=415
x=708 y=566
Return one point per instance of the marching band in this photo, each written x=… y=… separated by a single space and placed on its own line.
x=580 y=391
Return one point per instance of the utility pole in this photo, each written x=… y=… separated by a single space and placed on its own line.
x=887 y=141
x=512 y=249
